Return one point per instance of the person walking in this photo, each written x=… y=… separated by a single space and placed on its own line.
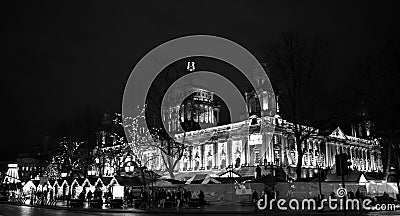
x=162 y=198
x=89 y=196
x=254 y=198
x=178 y=198
x=201 y=198
x=258 y=172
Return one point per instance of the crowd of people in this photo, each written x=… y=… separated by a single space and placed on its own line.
x=164 y=198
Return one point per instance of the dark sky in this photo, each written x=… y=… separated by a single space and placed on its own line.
x=58 y=58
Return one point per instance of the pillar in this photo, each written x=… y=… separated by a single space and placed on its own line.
x=371 y=155
x=229 y=154
x=314 y=155
x=283 y=147
x=366 y=160
x=215 y=155
x=327 y=156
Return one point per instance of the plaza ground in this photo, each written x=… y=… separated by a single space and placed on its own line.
x=7 y=209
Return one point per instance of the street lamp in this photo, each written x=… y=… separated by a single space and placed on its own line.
x=129 y=168
x=91 y=172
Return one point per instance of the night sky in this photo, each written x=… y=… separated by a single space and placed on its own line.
x=58 y=59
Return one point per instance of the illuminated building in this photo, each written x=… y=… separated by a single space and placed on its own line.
x=243 y=145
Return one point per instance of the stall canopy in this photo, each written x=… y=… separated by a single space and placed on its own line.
x=352 y=177
x=78 y=182
x=128 y=181
x=28 y=185
x=67 y=182
x=173 y=181
x=234 y=180
x=163 y=183
x=90 y=182
x=187 y=175
x=202 y=179
x=229 y=174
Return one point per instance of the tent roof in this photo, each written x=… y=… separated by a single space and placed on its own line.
x=188 y=175
x=351 y=177
x=232 y=180
x=210 y=180
x=164 y=183
x=229 y=173
x=29 y=184
x=202 y=179
x=128 y=181
x=371 y=178
x=174 y=181
x=151 y=174
x=78 y=181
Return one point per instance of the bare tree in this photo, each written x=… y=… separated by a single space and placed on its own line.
x=142 y=138
x=381 y=90
x=293 y=64
x=67 y=157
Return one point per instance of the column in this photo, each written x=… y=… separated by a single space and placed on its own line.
x=327 y=156
x=371 y=156
x=266 y=146
x=314 y=156
x=271 y=149
x=247 y=150
x=333 y=153
x=229 y=145
x=308 y=147
x=351 y=154
x=366 y=160
x=215 y=156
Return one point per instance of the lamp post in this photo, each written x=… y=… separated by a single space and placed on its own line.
x=129 y=168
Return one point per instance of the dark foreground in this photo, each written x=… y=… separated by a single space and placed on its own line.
x=16 y=210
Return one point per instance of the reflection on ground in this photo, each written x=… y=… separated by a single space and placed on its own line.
x=13 y=210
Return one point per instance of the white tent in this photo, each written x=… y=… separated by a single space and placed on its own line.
x=378 y=187
x=28 y=186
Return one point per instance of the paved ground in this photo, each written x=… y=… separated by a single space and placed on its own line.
x=15 y=210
